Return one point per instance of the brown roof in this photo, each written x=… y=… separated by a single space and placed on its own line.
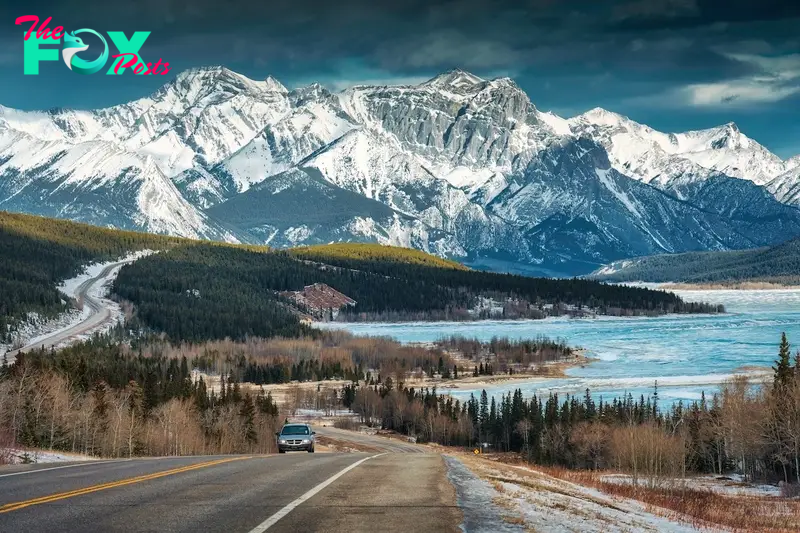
x=319 y=296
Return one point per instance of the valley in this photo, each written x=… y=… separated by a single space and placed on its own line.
x=300 y=254
x=215 y=349
x=443 y=266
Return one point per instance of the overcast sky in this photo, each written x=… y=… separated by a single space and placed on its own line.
x=673 y=64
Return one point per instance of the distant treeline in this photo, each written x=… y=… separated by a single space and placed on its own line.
x=577 y=292
x=505 y=353
x=326 y=355
x=778 y=264
x=199 y=290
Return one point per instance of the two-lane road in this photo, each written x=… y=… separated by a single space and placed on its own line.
x=250 y=494
x=98 y=313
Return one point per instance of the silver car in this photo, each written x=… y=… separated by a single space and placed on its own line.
x=296 y=437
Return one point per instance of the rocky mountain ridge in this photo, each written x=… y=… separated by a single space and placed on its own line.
x=459 y=166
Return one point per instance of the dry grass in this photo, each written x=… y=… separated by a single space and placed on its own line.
x=348 y=423
x=700 y=508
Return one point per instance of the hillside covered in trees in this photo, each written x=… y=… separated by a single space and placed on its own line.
x=778 y=264
x=203 y=291
x=200 y=290
x=37 y=253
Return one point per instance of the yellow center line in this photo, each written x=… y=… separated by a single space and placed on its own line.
x=121 y=483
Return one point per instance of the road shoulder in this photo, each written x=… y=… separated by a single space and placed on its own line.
x=392 y=492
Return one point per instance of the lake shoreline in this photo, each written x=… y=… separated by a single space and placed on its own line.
x=737 y=286
x=686 y=354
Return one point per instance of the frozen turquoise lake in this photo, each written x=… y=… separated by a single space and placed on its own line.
x=686 y=354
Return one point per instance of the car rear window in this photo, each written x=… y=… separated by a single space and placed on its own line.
x=295 y=430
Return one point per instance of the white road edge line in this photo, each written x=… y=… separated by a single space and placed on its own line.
x=88 y=463
x=272 y=520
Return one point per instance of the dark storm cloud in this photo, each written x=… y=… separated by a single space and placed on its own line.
x=674 y=64
x=410 y=36
x=665 y=41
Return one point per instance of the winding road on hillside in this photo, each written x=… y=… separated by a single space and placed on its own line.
x=99 y=312
x=330 y=492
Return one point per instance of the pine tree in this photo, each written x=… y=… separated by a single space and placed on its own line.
x=797 y=365
x=248 y=413
x=483 y=416
x=783 y=368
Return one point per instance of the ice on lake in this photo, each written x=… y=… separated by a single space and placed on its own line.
x=686 y=354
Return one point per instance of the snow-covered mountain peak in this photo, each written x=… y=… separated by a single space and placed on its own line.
x=455 y=79
x=559 y=125
x=310 y=93
x=272 y=84
x=648 y=154
x=222 y=80
x=601 y=117
x=727 y=136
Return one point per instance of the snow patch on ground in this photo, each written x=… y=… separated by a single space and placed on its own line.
x=34 y=327
x=20 y=456
x=550 y=505
x=477 y=498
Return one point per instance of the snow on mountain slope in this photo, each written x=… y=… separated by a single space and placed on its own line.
x=456 y=119
x=318 y=121
x=655 y=157
x=786 y=187
x=96 y=182
x=315 y=120
x=53 y=125
x=300 y=207
x=205 y=113
x=571 y=203
x=200 y=118
x=213 y=111
x=379 y=169
x=458 y=165
x=727 y=150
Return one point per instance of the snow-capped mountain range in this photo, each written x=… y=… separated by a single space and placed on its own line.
x=459 y=166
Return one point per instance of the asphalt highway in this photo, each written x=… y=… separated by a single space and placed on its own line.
x=97 y=316
x=382 y=444
x=330 y=492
